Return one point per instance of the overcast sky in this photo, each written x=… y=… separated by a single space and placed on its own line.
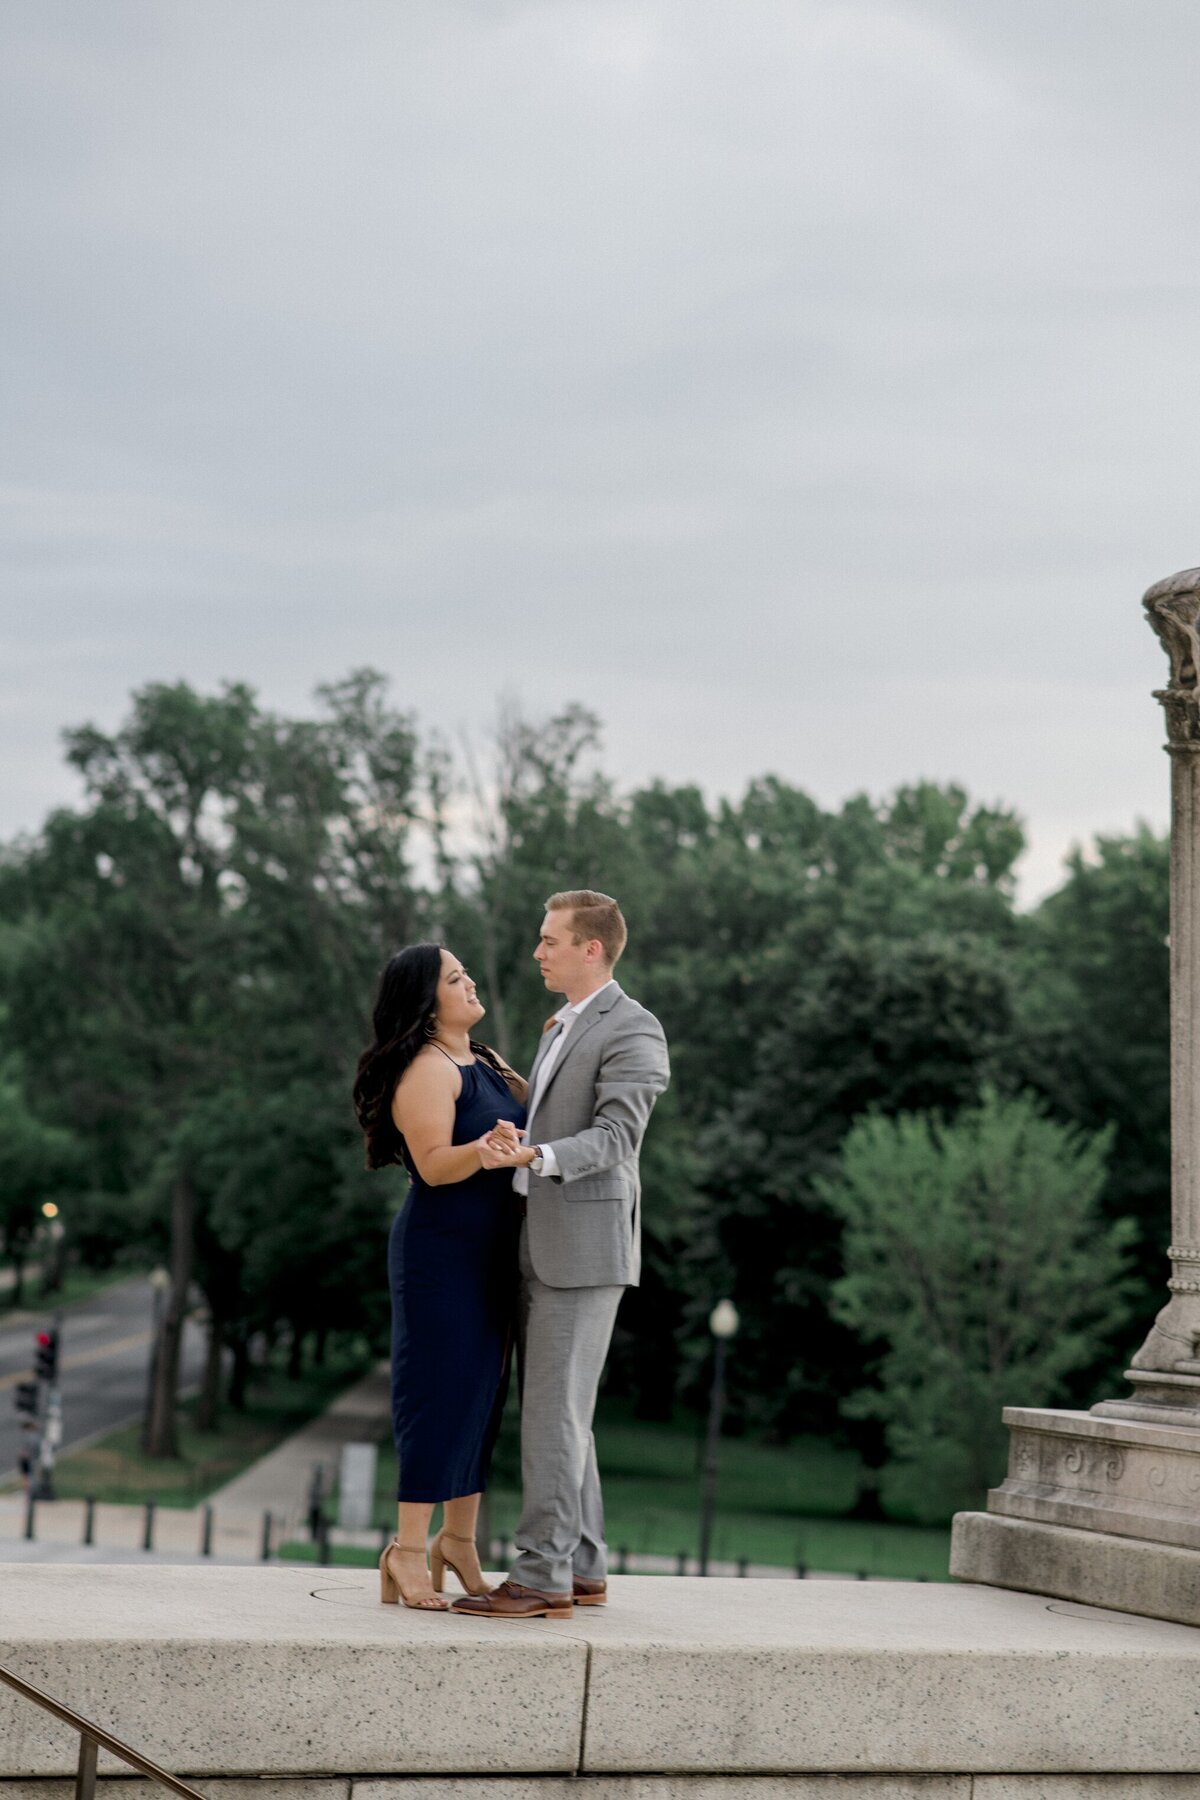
x=810 y=387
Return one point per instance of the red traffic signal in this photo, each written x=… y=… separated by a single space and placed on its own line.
x=45 y=1355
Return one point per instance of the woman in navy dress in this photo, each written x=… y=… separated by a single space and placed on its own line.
x=429 y=1096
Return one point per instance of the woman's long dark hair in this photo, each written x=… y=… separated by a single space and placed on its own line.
x=404 y=1020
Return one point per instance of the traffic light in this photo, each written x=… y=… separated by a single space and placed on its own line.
x=45 y=1355
x=25 y=1399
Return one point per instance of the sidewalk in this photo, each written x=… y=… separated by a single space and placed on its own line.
x=118 y=1533
x=280 y=1482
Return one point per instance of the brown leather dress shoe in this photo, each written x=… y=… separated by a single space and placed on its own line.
x=589 y=1593
x=512 y=1601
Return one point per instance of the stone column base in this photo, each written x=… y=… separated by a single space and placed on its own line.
x=1129 y=1477
x=1158 y=1398
x=1098 y=1568
x=1096 y=1508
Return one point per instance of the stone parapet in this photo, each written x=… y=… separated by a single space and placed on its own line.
x=680 y=1689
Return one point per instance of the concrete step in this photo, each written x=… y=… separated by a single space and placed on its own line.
x=301 y=1673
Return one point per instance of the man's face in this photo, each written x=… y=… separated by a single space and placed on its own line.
x=563 y=962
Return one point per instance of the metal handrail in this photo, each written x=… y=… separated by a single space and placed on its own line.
x=93 y=1738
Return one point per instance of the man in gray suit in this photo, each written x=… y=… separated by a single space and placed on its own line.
x=601 y=1065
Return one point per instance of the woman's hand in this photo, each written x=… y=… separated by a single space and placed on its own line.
x=491 y=1153
x=505 y=1132
x=502 y=1150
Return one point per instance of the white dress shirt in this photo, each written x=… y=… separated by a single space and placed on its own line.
x=565 y=1018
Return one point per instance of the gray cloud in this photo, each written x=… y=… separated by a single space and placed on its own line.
x=808 y=386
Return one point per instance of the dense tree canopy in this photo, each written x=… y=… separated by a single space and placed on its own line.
x=187 y=961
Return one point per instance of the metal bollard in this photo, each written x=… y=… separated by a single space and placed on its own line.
x=743 y=1565
x=30 y=1508
x=682 y=1568
x=801 y=1571
x=316 y=1503
x=148 y=1527
x=323 y=1552
x=622 y=1561
x=89 y=1520
x=206 y=1532
x=862 y=1575
x=265 y=1551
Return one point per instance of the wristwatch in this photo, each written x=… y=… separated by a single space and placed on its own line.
x=539 y=1161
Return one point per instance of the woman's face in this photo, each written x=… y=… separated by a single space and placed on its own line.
x=457 y=1007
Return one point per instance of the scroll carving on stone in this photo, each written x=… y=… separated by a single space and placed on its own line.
x=1175 y=616
x=1173 y=610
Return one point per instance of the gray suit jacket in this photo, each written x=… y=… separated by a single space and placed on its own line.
x=585 y=1223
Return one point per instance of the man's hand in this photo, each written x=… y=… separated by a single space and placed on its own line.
x=501 y=1147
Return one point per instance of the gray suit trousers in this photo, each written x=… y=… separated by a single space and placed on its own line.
x=562 y=1340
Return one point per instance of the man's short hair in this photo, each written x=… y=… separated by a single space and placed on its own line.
x=593 y=915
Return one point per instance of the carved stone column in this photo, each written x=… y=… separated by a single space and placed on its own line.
x=1165 y=1372
x=1104 y=1506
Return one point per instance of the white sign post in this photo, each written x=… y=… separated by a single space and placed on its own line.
x=356 y=1487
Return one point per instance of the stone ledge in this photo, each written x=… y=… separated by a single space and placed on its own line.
x=219 y=1672
x=1096 y=1568
x=656 y=1787
x=565 y=1787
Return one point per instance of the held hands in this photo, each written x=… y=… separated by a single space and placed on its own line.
x=501 y=1147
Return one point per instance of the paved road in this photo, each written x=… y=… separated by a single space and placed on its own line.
x=104 y=1354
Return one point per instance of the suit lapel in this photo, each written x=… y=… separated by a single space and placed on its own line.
x=594 y=1013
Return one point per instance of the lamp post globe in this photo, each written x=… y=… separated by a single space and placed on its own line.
x=723 y=1320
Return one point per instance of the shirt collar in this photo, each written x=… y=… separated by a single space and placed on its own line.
x=572 y=1012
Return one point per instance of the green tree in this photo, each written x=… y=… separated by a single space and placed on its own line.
x=210 y=922
x=809 y=965
x=1099 y=997
x=979 y=1273
x=38 y=1163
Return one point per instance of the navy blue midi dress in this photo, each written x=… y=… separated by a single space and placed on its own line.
x=452 y=1269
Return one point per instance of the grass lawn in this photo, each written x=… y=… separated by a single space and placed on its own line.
x=781 y=1505
x=114 y=1469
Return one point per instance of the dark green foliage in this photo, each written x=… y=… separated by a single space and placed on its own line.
x=188 y=959
x=39 y=1163
x=978 y=1268
x=1103 y=978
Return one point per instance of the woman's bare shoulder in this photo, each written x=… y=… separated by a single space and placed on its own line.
x=429 y=1074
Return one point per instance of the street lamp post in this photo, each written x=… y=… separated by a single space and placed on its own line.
x=160 y=1281
x=723 y=1323
x=55 y=1266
